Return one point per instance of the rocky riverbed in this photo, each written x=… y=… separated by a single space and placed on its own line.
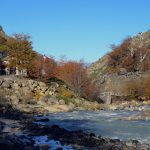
x=20 y=131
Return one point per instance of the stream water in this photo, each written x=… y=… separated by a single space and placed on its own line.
x=104 y=123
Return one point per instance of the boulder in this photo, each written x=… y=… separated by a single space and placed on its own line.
x=43 y=88
x=71 y=106
x=122 y=71
x=51 y=93
x=86 y=103
x=30 y=82
x=42 y=84
x=44 y=99
x=16 y=86
x=14 y=100
x=52 y=101
x=6 y=84
x=77 y=101
x=41 y=103
x=26 y=90
x=61 y=102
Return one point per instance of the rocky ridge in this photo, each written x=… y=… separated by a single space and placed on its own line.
x=34 y=96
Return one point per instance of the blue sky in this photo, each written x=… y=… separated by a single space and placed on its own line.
x=75 y=28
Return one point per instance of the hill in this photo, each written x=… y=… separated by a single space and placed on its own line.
x=127 y=63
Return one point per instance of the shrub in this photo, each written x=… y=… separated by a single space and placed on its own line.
x=67 y=94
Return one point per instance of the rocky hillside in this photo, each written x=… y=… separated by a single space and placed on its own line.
x=3 y=36
x=126 y=63
x=34 y=96
x=132 y=55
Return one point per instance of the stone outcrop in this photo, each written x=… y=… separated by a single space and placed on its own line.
x=35 y=96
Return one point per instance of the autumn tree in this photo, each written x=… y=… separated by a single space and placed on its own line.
x=36 y=64
x=42 y=67
x=3 y=46
x=20 y=53
x=49 y=67
x=75 y=75
x=133 y=54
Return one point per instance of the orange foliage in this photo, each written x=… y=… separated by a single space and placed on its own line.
x=75 y=75
x=49 y=66
x=36 y=66
x=131 y=57
x=128 y=63
x=121 y=56
x=42 y=67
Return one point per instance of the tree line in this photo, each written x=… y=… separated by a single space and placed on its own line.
x=20 y=54
x=133 y=54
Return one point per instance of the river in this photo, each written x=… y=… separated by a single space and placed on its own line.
x=104 y=123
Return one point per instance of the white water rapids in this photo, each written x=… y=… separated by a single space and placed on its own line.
x=104 y=123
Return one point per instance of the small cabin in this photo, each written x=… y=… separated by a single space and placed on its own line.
x=4 y=69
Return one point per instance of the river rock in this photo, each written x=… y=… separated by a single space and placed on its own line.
x=6 y=84
x=14 y=100
x=71 y=106
x=61 y=102
x=77 y=101
x=42 y=84
x=52 y=101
